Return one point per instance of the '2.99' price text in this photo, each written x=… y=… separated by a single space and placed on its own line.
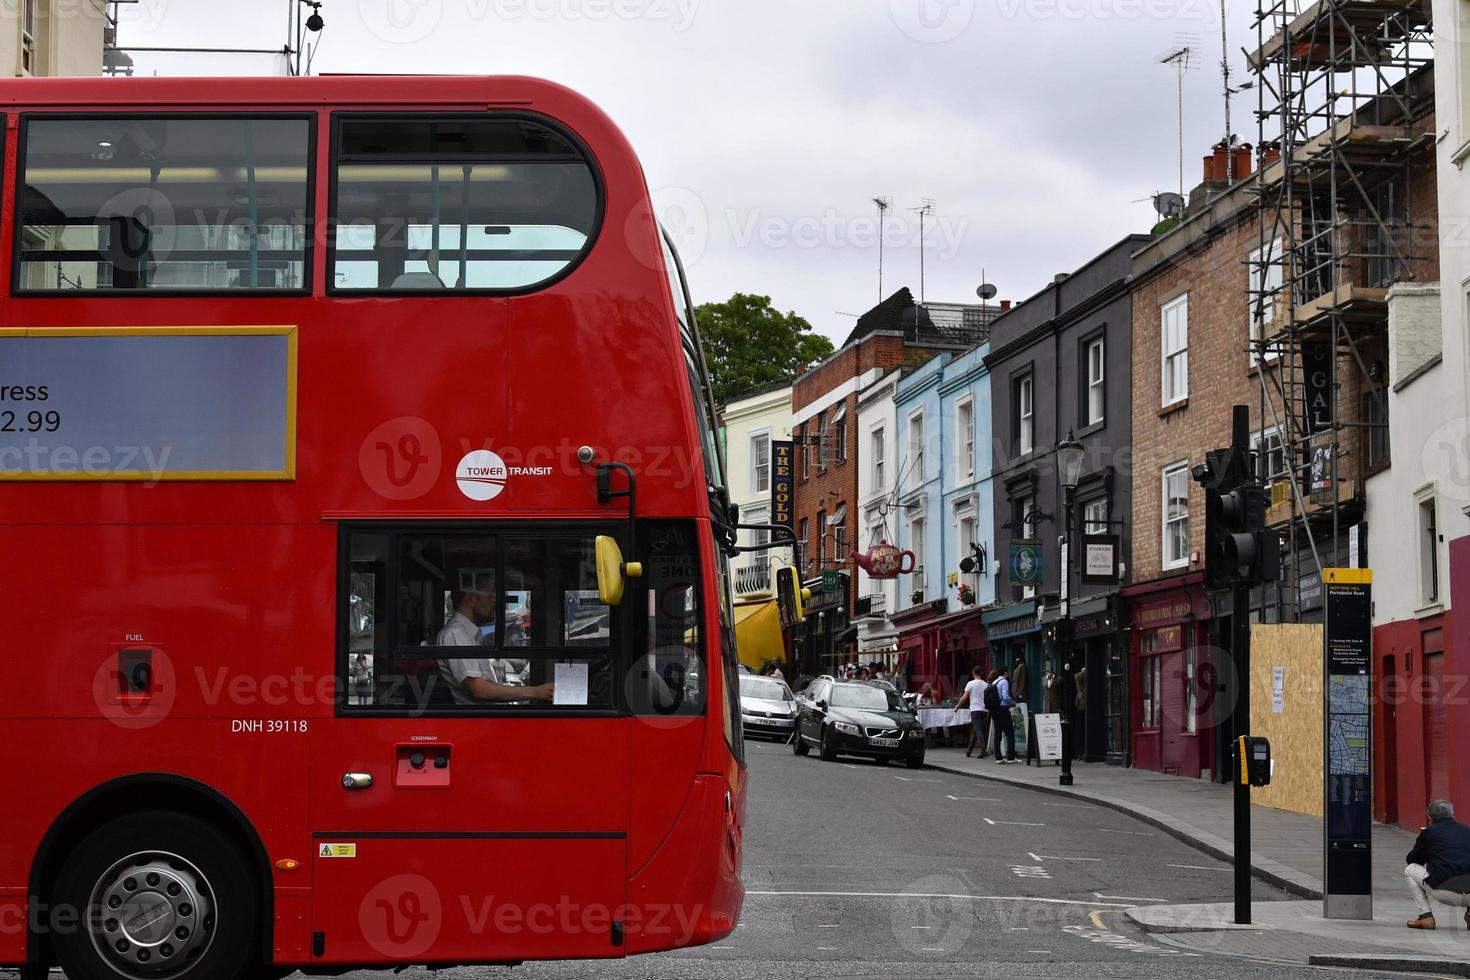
x=29 y=421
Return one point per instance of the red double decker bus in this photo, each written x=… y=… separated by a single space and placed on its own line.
x=306 y=385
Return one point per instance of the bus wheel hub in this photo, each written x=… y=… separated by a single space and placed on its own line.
x=154 y=915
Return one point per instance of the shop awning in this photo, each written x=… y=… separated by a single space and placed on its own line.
x=758 y=635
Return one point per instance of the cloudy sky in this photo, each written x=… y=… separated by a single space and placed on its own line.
x=768 y=126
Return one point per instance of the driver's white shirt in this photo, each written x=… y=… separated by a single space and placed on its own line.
x=460 y=631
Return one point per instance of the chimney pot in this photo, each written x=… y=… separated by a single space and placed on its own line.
x=1005 y=305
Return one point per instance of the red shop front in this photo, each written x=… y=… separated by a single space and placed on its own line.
x=1172 y=677
x=939 y=647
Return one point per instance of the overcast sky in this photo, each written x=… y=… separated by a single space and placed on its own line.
x=767 y=126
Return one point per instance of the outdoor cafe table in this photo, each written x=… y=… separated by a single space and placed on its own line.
x=943 y=717
x=942 y=722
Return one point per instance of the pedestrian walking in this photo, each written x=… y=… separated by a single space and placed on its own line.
x=974 y=696
x=998 y=702
x=1439 y=865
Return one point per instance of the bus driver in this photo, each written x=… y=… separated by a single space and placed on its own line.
x=479 y=680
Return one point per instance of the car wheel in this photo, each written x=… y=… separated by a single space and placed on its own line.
x=163 y=897
x=799 y=746
x=915 y=762
x=829 y=752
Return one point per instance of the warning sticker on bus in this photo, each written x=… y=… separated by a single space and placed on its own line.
x=337 y=851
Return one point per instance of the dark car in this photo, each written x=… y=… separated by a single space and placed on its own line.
x=857 y=718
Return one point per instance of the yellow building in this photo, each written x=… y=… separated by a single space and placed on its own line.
x=52 y=37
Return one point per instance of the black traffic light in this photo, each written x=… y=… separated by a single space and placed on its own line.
x=1238 y=548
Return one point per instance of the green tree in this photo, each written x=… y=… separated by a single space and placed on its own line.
x=749 y=344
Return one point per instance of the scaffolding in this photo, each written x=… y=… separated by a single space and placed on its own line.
x=1345 y=116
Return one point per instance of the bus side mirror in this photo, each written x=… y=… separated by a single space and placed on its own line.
x=791 y=596
x=612 y=572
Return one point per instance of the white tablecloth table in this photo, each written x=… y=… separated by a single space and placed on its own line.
x=943 y=717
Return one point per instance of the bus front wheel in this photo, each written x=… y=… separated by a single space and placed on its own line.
x=158 y=896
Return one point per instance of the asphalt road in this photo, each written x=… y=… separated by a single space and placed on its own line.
x=857 y=870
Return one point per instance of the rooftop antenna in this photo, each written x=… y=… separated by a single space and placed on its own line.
x=884 y=203
x=1182 y=56
x=923 y=210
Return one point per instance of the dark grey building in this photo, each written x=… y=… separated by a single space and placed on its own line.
x=1060 y=364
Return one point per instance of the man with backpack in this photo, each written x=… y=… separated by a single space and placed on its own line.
x=998 y=704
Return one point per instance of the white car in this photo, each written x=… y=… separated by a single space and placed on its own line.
x=767 y=707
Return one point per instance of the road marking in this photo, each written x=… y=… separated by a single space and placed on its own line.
x=910 y=779
x=827 y=925
x=1056 y=857
x=1127 y=898
x=1134 y=833
x=1038 y=951
x=1074 y=806
x=986 y=799
x=973 y=898
x=921 y=927
x=1020 y=928
x=1096 y=916
x=931 y=949
x=1026 y=871
x=1011 y=823
x=1198 y=867
x=826 y=949
x=1112 y=939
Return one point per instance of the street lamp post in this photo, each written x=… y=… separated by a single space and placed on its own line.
x=1069 y=465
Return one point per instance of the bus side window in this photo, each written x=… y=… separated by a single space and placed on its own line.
x=518 y=610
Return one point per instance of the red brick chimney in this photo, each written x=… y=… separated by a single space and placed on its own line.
x=1005 y=305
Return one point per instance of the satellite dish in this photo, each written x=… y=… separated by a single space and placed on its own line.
x=1169 y=204
x=986 y=291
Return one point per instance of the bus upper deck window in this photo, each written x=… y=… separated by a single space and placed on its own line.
x=163 y=203
x=491 y=203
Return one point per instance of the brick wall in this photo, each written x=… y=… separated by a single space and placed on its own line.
x=1214 y=274
x=819 y=489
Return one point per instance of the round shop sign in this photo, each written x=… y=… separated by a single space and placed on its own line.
x=481 y=475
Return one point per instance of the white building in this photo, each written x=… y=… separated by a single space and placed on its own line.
x=877 y=457
x=51 y=37
x=750 y=424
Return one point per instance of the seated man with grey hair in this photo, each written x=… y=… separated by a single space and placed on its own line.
x=1439 y=865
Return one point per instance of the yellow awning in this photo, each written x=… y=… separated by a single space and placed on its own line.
x=758 y=635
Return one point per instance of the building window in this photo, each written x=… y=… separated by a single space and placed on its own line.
x=806 y=457
x=880 y=461
x=1376 y=412
x=839 y=434
x=1267 y=298
x=1095 y=516
x=1428 y=553
x=1022 y=528
x=967 y=528
x=28 y=23
x=1270 y=456
x=916 y=545
x=803 y=535
x=1175 y=347
x=1025 y=405
x=821 y=441
x=1176 y=515
x=965 y=424
x=821 y=539
x=838 y=522
x=916 y=446
x=1096 y=373
x=760 y=463
x=1191 y=688
x=758 y=515
x=1151 y=670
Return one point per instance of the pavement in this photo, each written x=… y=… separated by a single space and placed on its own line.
x=1286 y=852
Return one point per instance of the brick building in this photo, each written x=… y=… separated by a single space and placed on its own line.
x=896 y=333
x=1210 y=314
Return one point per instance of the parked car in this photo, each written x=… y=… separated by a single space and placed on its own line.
x=857 y=718
x=767 y=707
